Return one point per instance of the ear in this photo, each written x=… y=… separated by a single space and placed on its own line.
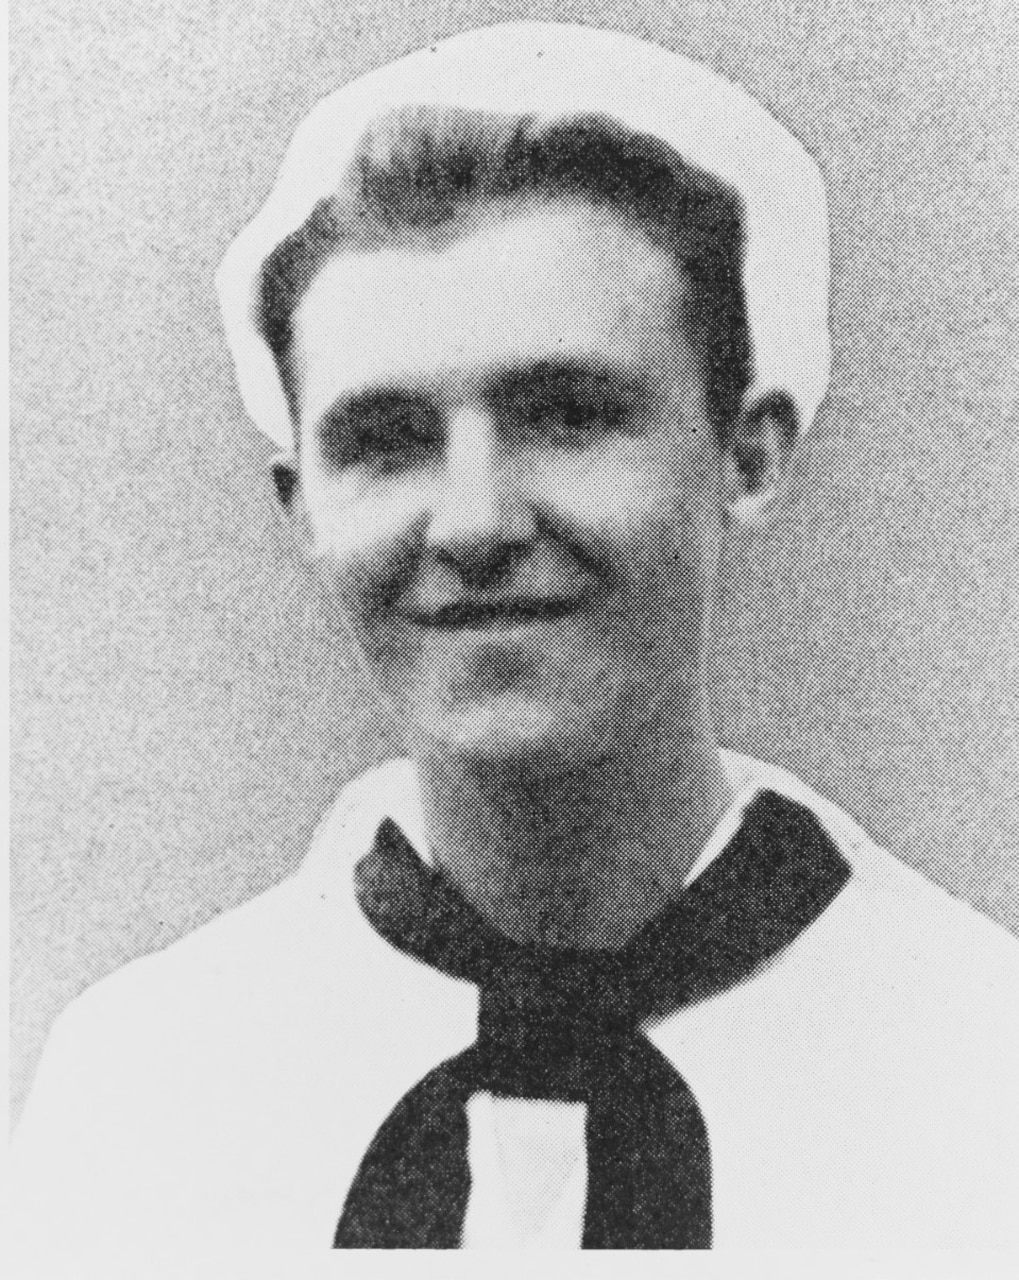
x=286 y=482
x=757 y=456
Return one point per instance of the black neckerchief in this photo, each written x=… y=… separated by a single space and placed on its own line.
x=563 y=1024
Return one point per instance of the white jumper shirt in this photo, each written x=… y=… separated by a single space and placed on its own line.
x=857 y=1090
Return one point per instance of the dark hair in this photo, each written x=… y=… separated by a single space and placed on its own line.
x=420 y=173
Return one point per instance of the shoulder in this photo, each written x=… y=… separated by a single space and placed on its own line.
x=295 y=936
x=850 y=838
x=895 y=909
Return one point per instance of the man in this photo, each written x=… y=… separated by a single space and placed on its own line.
x=536 y=316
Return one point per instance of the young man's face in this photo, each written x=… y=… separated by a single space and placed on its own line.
x=512 y=490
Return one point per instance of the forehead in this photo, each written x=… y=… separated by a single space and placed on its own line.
x=549 y=283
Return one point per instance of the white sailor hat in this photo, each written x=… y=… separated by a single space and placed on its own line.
x=561 y=70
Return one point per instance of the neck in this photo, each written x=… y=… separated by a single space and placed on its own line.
x=582 y=857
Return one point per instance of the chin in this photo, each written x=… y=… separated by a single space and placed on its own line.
x=515 y=735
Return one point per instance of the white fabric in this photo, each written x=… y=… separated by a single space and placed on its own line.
x=528 y=1165
x=859 y=1092
x=560 y=70
x=725 y=829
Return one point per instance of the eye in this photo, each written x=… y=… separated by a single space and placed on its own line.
x=567 y=412
x=393 y=433
x=573 y=414
x=383 y=436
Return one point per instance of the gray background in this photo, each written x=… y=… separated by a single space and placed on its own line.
x=181 y=717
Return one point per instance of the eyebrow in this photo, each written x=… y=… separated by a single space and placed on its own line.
x=564 y=373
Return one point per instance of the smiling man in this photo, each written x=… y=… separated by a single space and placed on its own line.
x=511 y=479
x=536 y=316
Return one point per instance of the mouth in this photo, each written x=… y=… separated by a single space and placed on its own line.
x=494 y=614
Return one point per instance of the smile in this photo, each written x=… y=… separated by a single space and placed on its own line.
x=494 y=614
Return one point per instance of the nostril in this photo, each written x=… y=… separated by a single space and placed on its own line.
x=488 y=566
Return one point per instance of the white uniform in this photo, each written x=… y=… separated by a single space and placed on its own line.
x=858 y=1091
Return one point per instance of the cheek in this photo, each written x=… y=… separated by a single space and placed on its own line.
x=649 y=517
x=363 y=547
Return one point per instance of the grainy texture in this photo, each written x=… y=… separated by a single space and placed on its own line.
x=181 y=716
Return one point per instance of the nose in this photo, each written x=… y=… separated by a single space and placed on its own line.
x=481 y=523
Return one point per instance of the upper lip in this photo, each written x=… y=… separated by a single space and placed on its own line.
x=507 y=611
